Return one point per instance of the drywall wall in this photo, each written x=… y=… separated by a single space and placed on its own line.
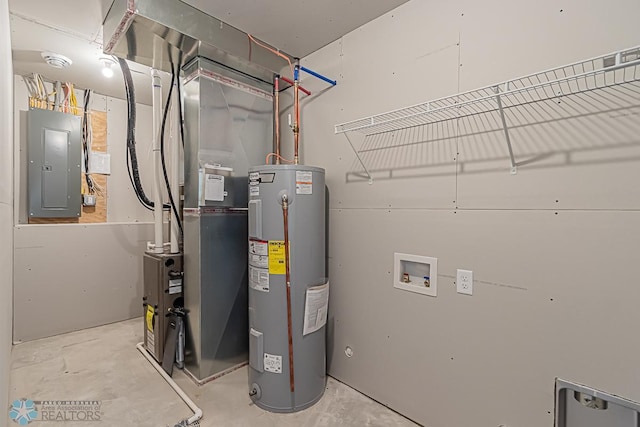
x=6 y=206
x=70 y=277
x=76 y=276
x=550 y=247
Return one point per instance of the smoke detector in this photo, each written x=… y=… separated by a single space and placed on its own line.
x=56 y=60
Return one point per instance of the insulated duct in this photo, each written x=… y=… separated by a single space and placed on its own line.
x=155 y=32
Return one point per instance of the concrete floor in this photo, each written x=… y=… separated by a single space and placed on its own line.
x=103 y=364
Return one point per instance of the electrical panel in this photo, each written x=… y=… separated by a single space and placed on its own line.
x=54 y=156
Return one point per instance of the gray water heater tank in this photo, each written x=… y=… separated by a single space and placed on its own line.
x=270 y=384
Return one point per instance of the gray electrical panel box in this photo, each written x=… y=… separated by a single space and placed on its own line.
x=54 y=153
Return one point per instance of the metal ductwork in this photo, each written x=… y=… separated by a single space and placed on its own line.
x=158 y=33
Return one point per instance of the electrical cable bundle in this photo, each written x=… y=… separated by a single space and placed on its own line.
x=132 y=158
x=87 y=139
x=64 y=96
x=38 y=97
x=70 y=103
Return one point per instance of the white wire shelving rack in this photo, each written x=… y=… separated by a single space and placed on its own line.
x=604 y=83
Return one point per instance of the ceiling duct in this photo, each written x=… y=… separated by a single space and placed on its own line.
x=158 y=33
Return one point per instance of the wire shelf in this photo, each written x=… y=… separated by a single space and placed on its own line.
x=582 y=76
x=605 y=83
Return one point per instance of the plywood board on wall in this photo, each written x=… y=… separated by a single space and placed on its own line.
x=97 y=213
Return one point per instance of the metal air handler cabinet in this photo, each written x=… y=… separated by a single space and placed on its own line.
x=228 y=128
x=269 y=373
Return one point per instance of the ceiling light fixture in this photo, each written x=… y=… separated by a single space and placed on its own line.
x=107 y=63
x=56 y=60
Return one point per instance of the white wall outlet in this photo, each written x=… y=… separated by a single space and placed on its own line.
x=464 y=282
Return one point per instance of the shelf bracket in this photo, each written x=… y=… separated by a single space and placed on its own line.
x=514 y=165
x=359 y=158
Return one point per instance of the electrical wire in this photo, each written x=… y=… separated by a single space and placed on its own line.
x=164 y=164
x=132 y=158
x=38 y=97
x=73 y=101
x=275 y=52
x=86 y=141
x=133 y=185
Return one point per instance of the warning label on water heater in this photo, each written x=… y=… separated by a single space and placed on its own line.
x=261 y=261
x=258 y=247
x=273 y=363
x=276 y=257
x=304 y=182
x=259 y=279
x=315 y=308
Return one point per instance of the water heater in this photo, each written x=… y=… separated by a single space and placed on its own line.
x=288 y=292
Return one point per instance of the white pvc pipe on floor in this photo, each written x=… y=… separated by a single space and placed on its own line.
x=197 y=412
x=156 y=103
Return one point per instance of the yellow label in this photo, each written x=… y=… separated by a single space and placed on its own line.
x=277 y=257
x=150 y=314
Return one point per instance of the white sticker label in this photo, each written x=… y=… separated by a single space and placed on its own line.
x=254 y=190
x=315 y=308
x=261 y=261
x=259 y=279
x=175 y=286
x=273 y=363
x=304 y=182
x=214 y=188
x=151 y=343
x=254 y=177
x=258 y=247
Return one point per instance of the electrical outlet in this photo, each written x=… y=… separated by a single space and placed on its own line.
x=464 y=282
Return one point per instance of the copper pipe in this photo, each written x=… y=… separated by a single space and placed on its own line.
x=287 y=261
x=302 y=89
x=276 y=95
x=296 y=122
